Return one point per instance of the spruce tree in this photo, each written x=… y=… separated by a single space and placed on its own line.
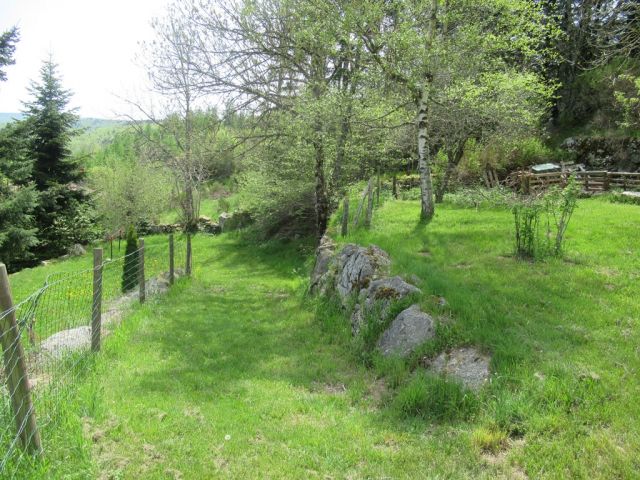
x=130 y=267
x=18 y=199
x=8 y=42
x=50 y=126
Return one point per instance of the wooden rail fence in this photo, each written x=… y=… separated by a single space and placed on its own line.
x=592 y=182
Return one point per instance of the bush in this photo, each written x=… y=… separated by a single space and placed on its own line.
x=432 y=397
x=131 y=259
x=541 y=222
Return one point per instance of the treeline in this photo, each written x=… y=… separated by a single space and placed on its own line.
x=334 y=92
x=319 y=95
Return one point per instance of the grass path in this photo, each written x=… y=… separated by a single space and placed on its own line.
x=230 y=377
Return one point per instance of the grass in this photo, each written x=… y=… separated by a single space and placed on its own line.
x=237 y=374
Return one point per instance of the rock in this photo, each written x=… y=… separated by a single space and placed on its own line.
x=358 y=266
x=76 y=250
x=233 y=221
x=377 y=297
x=466 y=364
x=320 y=276
x=410 y=328
x=67 y=341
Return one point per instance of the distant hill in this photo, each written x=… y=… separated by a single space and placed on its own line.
x=85 y=123
x=9 y=117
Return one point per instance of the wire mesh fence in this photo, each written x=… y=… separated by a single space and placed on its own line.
x=47 y=339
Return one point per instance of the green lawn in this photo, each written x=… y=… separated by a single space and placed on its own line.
x=237 y=374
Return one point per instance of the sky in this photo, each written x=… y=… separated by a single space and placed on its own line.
x=95 y=44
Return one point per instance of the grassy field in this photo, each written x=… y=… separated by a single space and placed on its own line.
x=238 y=374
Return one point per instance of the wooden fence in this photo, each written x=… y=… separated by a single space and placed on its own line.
x=592 y=182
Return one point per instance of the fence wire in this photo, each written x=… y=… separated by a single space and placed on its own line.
x=53 y=328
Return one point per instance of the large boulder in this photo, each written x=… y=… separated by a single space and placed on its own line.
x=357 y=267
x=411 y=328
x=321 y=274
x=467 y=365
x=378 y=297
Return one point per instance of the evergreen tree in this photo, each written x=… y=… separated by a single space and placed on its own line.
x=8 y=42
x=50 y=126
x=18 y=199
x=130 y=268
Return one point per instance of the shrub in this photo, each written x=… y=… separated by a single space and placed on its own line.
x=553 y=211
x=432 y=397
x=131 y=259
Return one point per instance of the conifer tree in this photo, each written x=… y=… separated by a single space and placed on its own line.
x=130 y=267
x=50 y=127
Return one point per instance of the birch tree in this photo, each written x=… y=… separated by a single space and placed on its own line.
x=426 y=46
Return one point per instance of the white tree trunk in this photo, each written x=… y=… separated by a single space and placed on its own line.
x=424 y=162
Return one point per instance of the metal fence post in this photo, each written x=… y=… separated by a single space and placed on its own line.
x=172 y=273
x=16 y=370
x=96 y=312
x=141 y=270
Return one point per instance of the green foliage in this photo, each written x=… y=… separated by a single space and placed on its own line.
x=18 y=200
x=128 y=192
x=526 y=216
x=131 y=260
x=627 y=96
x=8 y=40
x=431 y=397
x=541 y=221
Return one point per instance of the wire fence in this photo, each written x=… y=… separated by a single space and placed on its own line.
x=47 y=339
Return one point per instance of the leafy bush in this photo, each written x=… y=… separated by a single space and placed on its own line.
x=432 y=397
x=541 y=222
x=130 y=267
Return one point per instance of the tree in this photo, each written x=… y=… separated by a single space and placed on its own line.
x=131 y=260
x=50 y=126
x=18 y=199
x=428 y=46
x=282 y=57
x=121 y=198
x=8 y=42
x=184 y=134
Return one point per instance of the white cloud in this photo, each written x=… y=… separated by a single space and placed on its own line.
x=94 y=43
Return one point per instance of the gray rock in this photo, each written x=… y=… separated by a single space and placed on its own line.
x=321 y=274
x=411 y=328
x=67 y=341
x=466 y=365
x=378 y=297
x=76 y=250
x=358 y=266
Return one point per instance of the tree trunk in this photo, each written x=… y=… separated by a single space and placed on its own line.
x=322 y=201
x=427 y=208
x=453 y=159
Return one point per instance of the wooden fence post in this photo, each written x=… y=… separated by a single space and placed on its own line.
x=96 y=309
x=369 y=213
x=143 y=293
x=15 y=369
x=394 y=188
x=172 y=273
x=345 y=216
x=187 y=269
x=607 y=180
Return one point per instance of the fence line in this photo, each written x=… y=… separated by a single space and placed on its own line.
x=48 y=338
x=592 y=181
